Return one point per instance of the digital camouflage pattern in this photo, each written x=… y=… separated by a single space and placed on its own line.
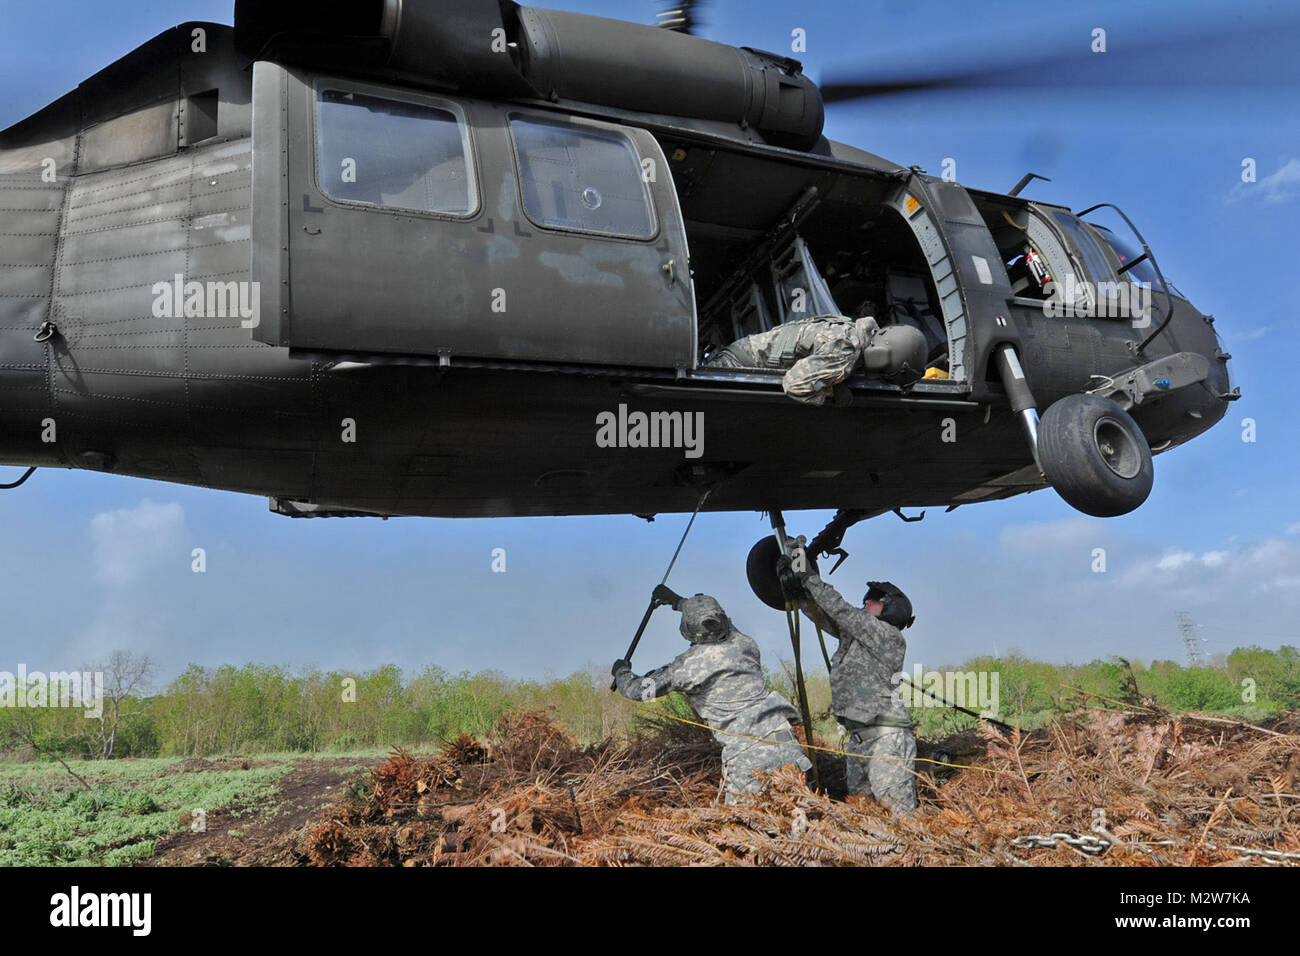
x=870 y=653
x=882 y=764
x=721 y=676
x=740 y=758
x=817 y=353
x=863 y=697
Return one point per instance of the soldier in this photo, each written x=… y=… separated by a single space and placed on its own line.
x=870 y=654
x=818 y=353
x=722 y=678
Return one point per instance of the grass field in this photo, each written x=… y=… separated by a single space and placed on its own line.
x=311 y=740
x=47 y=818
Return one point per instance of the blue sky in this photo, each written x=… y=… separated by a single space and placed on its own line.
x=94 y=562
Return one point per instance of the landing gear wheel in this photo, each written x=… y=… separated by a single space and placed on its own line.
x=1095 y=455
x=760 y=568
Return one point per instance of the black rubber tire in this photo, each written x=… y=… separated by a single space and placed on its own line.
x=1095 y=456
x=760 y=568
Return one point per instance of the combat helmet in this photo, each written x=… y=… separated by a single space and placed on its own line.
x=703 y=620
x=897 y=608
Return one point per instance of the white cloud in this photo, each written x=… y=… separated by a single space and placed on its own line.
x=130 y=542
x=1054 y=536
x=1281 y=583
x=1282 y=186
x=1293 y=529
x=1251 y=335
x=1272 y=565
x=1172 y=560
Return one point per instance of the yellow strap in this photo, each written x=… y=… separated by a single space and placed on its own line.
x=831 y=750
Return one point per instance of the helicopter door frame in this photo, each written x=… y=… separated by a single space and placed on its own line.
x=912 y=202
x=965 y=266
x=374 y=279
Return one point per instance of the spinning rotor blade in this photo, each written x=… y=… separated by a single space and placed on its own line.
x=1256 y=55
x=680 y=16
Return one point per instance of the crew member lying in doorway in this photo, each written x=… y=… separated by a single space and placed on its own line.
x=819 y=353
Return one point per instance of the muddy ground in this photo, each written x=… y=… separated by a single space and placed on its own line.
x=304 y=792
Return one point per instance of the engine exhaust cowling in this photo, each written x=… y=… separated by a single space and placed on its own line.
x=499 y=48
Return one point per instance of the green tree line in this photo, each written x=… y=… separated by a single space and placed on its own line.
x=258 y=708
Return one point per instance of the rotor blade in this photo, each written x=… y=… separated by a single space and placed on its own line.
x=680 y=16
x=1257 y=56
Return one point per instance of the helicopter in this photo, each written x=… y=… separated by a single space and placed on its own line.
x=473 y=259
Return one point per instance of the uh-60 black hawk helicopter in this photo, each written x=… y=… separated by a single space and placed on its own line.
x=435 y=257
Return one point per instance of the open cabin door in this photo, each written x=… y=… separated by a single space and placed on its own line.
x=391 y=221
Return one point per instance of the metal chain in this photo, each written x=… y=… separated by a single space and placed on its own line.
x=1095 y=846
x=1092 y=845
x=1276 y=857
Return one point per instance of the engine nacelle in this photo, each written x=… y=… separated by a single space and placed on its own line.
x=499 y=48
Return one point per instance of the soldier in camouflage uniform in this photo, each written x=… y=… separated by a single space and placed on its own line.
x=722 y=678
x=818 y=353
x=870 y=654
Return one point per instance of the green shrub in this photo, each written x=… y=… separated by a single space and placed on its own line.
x=1199 y=688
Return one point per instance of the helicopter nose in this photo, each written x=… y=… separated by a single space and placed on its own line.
x=1209 y=405
x=1192 y=381
x=1230 y=386
x=1221 y=380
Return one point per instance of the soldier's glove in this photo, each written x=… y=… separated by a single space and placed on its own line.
x=620 y=666
x=666 y=595
x=791 y=580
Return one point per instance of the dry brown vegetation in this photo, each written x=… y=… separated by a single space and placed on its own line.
x=1143 y=788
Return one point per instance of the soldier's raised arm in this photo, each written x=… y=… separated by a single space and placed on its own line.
x=842 y=619
x=655 y=683
x=847 y=618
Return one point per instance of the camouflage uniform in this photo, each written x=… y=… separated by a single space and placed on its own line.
x=818 y=353
x=722 y=678
x=863 y=697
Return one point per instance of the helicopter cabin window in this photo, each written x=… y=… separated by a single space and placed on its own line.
x=391 y=222
x=582 y=178
x=394 y=153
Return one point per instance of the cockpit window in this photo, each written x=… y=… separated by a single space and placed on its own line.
x=1044 y=269
x=393 y=153
x=1125 y=253
x=1094 y=259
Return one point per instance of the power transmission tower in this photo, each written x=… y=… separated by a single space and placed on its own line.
x=1191 y=642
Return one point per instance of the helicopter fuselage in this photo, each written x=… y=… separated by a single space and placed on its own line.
x=204 y=282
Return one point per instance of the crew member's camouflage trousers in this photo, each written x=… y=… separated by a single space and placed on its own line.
x=742 y=757
x=830 y=349
x=888 y=775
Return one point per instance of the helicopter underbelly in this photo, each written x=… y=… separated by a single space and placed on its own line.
x=414 y=441
x=152 y=371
